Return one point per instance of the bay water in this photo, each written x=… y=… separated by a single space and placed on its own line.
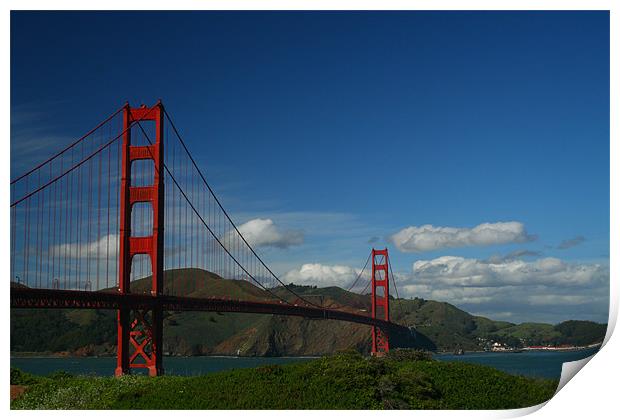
x=545 y=364
x=542 y=364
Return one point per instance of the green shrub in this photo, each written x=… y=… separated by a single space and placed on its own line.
x=409 y=355
x=60 y=375
x=346 y=380
x=270 y=370
x=19 y=377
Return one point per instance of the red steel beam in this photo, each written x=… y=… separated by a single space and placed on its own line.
x=379 y=279
x=145 y=331
x=22 y=297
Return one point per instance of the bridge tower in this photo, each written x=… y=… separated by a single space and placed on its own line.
x=140 y=330
x=380 y=296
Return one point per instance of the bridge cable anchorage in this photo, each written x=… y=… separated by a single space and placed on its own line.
x=181 y=190
x=226 y=213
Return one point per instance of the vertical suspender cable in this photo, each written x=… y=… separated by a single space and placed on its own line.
x=26 y=236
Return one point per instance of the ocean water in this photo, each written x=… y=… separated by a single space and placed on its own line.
x=184 y=366
x=545 y=364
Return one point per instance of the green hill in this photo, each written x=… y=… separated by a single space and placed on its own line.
x=437 y=325
x=581 y=333
x=530 y=333
x=331 y=297
x=194 y=282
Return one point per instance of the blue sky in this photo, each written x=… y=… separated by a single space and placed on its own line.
x=351 y=127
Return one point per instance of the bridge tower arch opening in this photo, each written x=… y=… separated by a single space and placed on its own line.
x=380 y=296
x=140 y=331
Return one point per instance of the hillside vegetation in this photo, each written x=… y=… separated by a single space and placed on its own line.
x=438 y=325
x=342 y=381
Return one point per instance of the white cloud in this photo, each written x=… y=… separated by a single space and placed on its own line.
x=542 y=290
x=546 y=289
x=322 y=275
x=458 y=271
x=429 y=237
x=265 y=233
x=554 y=299
x=104 y=247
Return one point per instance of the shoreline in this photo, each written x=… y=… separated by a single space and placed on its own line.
x=528 y=349
x=111 y=356
x=28 y=355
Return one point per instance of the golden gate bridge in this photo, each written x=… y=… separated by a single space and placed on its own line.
x=94 y=221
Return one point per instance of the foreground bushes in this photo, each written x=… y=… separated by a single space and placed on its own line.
x=343 y=381
x=409 y=355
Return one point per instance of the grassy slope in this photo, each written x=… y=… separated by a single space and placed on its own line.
x=446 y=325
x=326 y=296
x=343 y=381
x=194 y=282
x=531 y=330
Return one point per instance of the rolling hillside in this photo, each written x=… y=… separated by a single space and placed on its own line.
x=438 y=325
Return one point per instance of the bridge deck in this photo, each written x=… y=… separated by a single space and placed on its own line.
x=66 y=299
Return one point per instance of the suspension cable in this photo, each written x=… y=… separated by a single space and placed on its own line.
x=353 y=285
x=223 y=210
x=69 y=146
x=218 y=239
x=77 y=165
x=366 y=288
x=360 y=273
x=394 y=283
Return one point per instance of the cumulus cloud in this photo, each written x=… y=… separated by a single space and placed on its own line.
x=104 y=247
x=466 y=272
x=569 y=243
x=322 y=275
x=513 y=256
x=428 y=237
x=265 y=233
x=546 y=289
x=542 y=290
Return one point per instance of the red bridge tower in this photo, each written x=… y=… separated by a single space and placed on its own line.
x=380 y=300
x=140 y=331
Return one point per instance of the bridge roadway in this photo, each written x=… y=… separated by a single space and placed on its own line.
x=23 y=297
